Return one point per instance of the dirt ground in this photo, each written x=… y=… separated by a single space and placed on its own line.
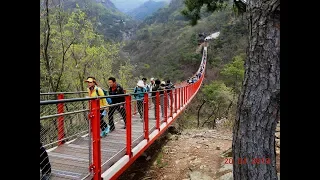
x=175 y=157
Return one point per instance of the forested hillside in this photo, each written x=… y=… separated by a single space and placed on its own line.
x=164 y=46
x=79 y=39
x=106 y=18
x=146 y=9
x=167 y=41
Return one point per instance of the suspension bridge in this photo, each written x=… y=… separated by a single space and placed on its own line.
x=71 y=129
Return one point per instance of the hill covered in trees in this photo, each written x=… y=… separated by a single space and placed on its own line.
x=166 y=41
x=164 y=46
x=146 y=9
x=106 y=18
x=126 y=6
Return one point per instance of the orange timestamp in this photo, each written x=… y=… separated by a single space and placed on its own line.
x=246 y=161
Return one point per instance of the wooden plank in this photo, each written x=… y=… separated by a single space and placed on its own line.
x=69 y=151
x=69 y=172
x=114 y=157
x=105 y=144
x=67 y=147
x=70 y=157
x=54 y=177
x=68 y=162
x=58 y=177
x=75 y=146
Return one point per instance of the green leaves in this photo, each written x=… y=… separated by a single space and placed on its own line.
x=74 y=51
x=233 y=73
x=193 y=8
x=125 y=75
x=217 y=93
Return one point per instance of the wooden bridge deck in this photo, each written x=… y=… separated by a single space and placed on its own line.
x=71 y=160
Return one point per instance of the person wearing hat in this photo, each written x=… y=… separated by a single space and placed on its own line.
x=152 y=84
x=139 y=91
x=92 y=91
x=163 y=84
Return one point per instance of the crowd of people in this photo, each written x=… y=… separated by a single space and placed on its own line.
x=199 y=73
x=116 y=103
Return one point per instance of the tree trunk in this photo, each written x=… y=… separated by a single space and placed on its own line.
x=228 y=109
x=46 y=45
x=203 y=102
x=214 y=112
x=259 y=103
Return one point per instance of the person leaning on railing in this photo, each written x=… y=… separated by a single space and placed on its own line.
x=92 y=91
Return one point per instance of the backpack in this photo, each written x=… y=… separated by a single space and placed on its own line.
x=141 y=91
x=154 y=88
x=105 y=93
x=147 y=88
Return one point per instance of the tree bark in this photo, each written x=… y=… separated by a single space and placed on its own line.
x=259 y=103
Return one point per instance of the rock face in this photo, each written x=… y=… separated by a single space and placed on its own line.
x=196 y=175
x=228 y=176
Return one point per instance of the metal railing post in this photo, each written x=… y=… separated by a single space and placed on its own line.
x=146 y=116
x=96 y=144
x=60 y=107
x=175 y=100
x=165 y=106
x=128 y=125
x=157 y=109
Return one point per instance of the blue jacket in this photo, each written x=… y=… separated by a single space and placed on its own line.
x=141 y=91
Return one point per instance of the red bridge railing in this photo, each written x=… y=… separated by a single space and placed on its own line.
x=178 y=98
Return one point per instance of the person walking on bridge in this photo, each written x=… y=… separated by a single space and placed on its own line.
x=146 y=86
x=151 y=84
x=93 y=89
x=116 y=89
x=139 y=91
x=155 y=88
x=169 y=86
